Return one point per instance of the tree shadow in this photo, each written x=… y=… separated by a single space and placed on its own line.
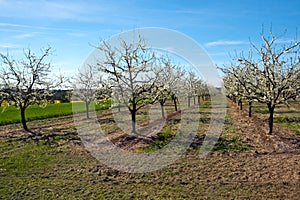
x=51 y=138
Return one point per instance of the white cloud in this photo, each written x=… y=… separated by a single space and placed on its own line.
x=9 y=46
x=225 y=42
x=25 y=35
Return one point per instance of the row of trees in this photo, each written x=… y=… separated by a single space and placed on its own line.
x=135 y=76
x=269 y=75
x=132 y=74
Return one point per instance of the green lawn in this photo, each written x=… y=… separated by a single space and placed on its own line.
x=11 y=114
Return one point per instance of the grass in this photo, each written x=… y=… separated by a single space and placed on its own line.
x=48 y=170
x=60 y=168
x=11 y=114
x=29 y=169
x=169 y=131
x=233 y=144
x=162 y=139
x=229 y=140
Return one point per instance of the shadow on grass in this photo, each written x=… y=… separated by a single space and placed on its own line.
x=50 y=139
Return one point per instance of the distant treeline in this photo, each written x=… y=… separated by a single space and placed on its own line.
x=61 y=95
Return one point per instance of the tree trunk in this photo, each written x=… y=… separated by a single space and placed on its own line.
x=250 y=108
x=240 y=103
x=119 y=107
x=189 y=101
x=87 y=110
x=162 y=109
x=194 y=100
x=133 y=117
x=271 y=117
x=133 y=121
x=175 y=103
x=23 y=119
x=199 y=100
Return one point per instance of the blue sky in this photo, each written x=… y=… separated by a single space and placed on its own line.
x=71 y=27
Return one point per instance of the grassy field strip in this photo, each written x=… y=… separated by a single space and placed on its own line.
x=44 y=124
x=16 y=148
x=11 y=114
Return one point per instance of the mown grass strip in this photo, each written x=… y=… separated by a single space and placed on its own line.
x=11 y=114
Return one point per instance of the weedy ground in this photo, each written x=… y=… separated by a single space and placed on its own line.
x=246 y=163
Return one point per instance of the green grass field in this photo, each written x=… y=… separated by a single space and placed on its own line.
x=11 y=114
